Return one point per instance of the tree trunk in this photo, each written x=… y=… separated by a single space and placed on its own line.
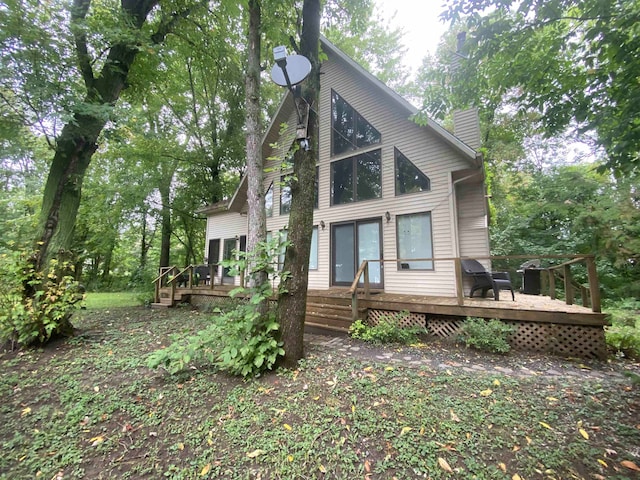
x=165 y=223
x=257 y=221
x=293 y=303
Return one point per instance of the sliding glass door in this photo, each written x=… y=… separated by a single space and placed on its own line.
x=351 y=243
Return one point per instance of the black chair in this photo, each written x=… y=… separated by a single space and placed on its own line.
x=202 y=274
x=485 y=281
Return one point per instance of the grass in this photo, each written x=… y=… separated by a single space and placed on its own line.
x=89 y=408
x=96 y=300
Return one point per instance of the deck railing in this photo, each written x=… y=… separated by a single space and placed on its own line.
x=172 y=277
x=590 y=292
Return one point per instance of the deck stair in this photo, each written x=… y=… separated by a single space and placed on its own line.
x=165 y=299
x=330 y=313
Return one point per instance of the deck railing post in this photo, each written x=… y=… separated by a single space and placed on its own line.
x=174 y=280
x=366 y=280
x=190 y=277
x=568 y=288
x=594 y=287
x=211 y=275
x=354 y=305
x=156 y=295
x=459 y=285
x=552 y=283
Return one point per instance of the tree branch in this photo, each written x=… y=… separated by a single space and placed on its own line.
x=78 y=14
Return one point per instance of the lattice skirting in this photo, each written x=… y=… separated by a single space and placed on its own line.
x=565 y=340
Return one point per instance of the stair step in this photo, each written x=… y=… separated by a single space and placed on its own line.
x=160 y=305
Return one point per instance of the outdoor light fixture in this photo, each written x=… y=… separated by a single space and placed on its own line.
x=387 y=215
x=322 y=225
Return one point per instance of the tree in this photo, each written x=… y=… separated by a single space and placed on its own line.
x=292 y=301
x=571 y=61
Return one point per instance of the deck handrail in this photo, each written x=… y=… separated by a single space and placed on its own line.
x=592 y=292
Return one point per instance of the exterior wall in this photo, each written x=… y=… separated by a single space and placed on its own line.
x=425 y=149
x=225 y=226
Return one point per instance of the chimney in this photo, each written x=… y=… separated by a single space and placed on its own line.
x=466 y=126
x=461 y=37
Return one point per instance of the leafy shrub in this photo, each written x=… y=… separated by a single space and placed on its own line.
x=490 y=336
x=241 y=341
x=388 y=330
x=27 y=318
x=624 y=333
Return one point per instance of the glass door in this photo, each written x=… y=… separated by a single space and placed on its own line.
x=351 y=244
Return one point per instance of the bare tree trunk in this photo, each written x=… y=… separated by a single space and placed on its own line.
x=165 y=221
x=257 y=221
x=293 y=303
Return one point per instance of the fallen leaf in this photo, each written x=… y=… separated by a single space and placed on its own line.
x=388 y=369
x=322 y=468
x=444 y=465
x=584 y=433
x=454 y=417
x=25 y=411
x=287 y=427
x=502 y=467
x=528 y=440
x=205 y=470
x=405 y=430
x=255 y=453
x=516 y=477
x=630 y=465
x=367 y=466
x=546 y=425
x=181 y=446
x=603 y=463
x=96 y=440
x=96 y=389
x=496 y=382
x=486 y=393
x=290 y=458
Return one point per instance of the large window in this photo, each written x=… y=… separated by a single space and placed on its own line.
x=409 y=178
x=268 y=201
x=349 y=129
x=414 y=241
x=356 y=178
x=313 y=255
x=285 y=195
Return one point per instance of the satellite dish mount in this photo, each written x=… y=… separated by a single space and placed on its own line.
x=289 y=71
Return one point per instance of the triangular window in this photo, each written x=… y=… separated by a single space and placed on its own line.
x=268 y=201
x=409 y=178
x=350 y=130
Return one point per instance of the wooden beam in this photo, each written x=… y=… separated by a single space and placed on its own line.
x=568 y=288
x=459 y=284
x=594 y=286
x=552 y=284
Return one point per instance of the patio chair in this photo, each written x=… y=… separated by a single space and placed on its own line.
x=485 y=281
x=202 y=274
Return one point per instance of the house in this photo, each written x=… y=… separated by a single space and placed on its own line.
x=387 y=188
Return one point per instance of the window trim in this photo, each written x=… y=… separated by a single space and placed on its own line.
x=352 y=141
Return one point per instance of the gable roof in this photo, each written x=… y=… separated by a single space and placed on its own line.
x=287 y=105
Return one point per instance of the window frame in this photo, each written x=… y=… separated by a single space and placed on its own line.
x=400 y=264
x=354 y=177
x=353 y=140
x=268 y=209
x=396 y=154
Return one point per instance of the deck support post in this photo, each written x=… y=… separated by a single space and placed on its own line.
x=459 y=285
x=594 y=287
x=366 y=280
x=568 y=288
x=354 y=305
x=552 y=284
x=172 y=295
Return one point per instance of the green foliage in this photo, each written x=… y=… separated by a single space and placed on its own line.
x=242 y=341
x=387 y=330
x=624 y=333
x=490 y=336
x=26 y=319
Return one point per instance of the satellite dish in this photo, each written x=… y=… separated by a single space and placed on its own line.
x=297 y=68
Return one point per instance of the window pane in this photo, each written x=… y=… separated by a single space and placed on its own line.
x=268 y=201
x=414 y=240
x=342 y=123
x=409 y=178
x=369 y=249
x=342 y=181
x=369 y=178
x=350 y=130
x=285 y=197
x=313 y=255
x=343 y=248
x=282 y=250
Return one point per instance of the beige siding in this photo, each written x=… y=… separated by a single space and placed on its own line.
x=225 y=226
x=473 y=232
x=466 y=126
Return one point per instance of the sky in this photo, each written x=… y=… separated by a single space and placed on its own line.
x=421 y=23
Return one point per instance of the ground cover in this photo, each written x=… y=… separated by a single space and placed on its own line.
x=90 y=408
x=102 y=300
